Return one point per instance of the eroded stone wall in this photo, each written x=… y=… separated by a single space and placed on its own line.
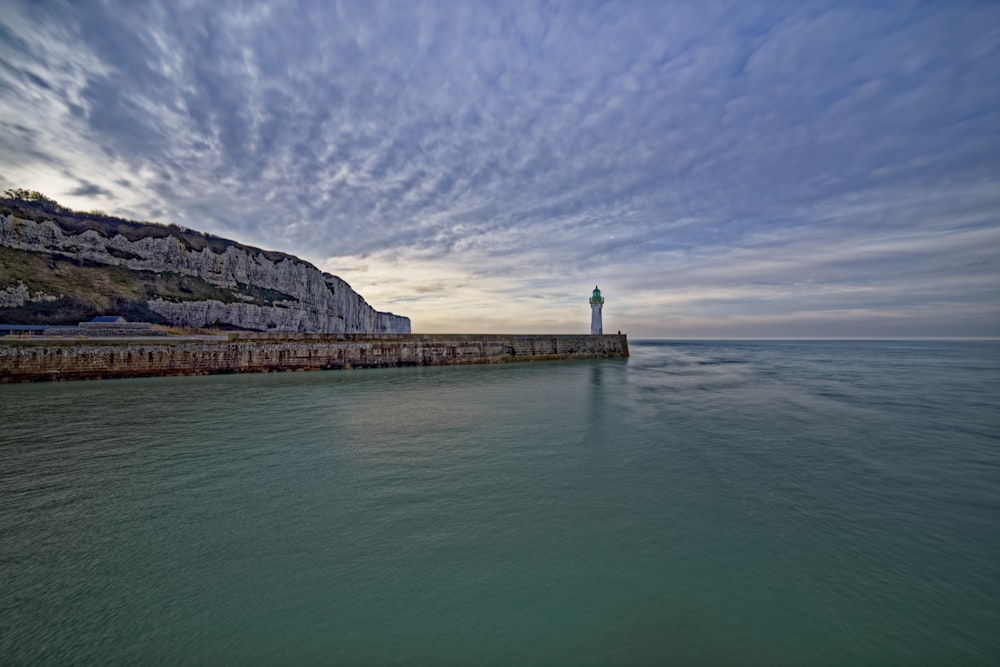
x=28 y=360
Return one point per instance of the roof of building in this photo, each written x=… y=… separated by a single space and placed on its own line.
x=108 y=318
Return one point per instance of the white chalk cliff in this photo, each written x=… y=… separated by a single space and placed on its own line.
x=317 y=301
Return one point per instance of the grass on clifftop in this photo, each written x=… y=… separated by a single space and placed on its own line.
x=77 y=222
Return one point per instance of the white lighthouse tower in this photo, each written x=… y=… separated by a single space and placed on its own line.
x=596 y=303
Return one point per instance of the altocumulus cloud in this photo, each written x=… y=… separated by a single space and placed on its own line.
x=721 y=169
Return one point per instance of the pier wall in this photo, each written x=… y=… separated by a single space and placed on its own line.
x=34 y=359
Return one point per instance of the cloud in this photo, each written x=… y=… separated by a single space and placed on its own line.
x=713 y=150
x=88 y=189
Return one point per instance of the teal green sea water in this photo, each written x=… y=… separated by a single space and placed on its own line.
x=701 y=503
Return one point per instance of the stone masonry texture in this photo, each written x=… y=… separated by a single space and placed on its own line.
x=29 y=360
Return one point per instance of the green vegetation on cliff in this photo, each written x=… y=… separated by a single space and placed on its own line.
x=33 y=205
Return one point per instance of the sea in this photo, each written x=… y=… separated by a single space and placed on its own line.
x=700 y=503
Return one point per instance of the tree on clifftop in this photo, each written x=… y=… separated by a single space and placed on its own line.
x=34 y=197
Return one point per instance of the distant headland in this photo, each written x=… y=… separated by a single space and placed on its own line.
x=59 y=266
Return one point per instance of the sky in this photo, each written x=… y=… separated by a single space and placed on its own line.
x=719 y=169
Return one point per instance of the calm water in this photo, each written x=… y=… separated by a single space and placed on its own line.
x=703 y=503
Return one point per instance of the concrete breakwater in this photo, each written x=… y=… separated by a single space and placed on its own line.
x=34 y=359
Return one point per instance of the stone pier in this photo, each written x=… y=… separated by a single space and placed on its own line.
x=35 y=358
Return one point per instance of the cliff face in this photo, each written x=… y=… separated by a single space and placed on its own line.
x=220 y=284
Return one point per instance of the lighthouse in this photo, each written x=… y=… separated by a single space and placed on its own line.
x=596 y=303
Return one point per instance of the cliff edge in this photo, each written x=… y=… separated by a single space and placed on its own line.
x=60 y=266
